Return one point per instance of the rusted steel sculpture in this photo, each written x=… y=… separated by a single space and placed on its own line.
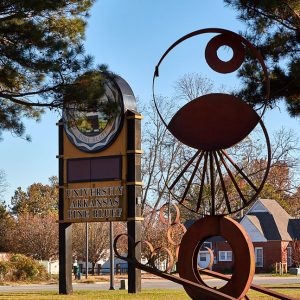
x=240 y=243
x=212 y=123
x=153 y=253
x=215 y=122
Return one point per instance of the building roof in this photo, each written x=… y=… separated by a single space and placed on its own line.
x=273 y=221
x=270 y=220
x=295 y=225
x=256 y=223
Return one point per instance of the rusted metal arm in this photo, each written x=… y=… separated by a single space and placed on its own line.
x=252 y=287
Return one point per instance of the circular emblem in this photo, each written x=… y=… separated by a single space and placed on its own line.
x=94 y=130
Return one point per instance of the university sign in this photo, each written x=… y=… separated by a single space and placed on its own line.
x=100 y=170
x=95 y=157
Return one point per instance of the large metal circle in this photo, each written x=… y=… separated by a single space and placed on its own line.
x=240 y=242
x=215 y=62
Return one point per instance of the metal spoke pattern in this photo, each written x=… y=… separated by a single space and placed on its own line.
x=213 y=183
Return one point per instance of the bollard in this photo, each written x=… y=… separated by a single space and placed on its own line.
x=123 y=284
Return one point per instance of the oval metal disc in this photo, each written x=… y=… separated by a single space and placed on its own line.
x=213 y=122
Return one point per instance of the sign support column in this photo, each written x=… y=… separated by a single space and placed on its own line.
x=134 y=189
x=64 y=229
x=112 y=256
x=99 y=171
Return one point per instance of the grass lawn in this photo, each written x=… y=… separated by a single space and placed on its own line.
x=157 y=294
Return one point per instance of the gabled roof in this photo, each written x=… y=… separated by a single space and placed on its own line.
x=253 y=228
x=270 y=220
x=255 y=221
x=273 y=221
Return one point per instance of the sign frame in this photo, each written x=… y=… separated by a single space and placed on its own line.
x=127 y=145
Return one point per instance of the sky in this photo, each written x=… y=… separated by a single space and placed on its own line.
x=130 y=36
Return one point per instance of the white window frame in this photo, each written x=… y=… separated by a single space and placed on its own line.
x=203 y=254
x=208 y=245
x=262 y=256
x=226 y=255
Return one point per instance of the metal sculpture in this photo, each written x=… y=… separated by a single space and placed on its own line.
x=240 y=243
x=212 y=123
x=154 y=253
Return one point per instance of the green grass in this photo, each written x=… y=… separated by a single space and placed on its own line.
x=147 y=294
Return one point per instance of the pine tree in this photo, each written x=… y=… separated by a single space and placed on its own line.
x=41 y=53
x=273 y=26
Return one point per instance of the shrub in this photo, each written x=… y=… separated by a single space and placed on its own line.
x=26 y=268
x=4 y=269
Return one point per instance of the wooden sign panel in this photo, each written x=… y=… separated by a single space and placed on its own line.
x=99 y=202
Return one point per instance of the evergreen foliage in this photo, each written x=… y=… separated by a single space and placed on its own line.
x=41 y=53
x=273 y=26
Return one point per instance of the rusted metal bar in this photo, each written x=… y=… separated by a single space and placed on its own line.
x=202 y=182
x=232 y=179
x=254 y=287
x=184 y=169
x=212 y=184
x=222 y=183
x=191 y=178
x=240 y=170
x=207 y=291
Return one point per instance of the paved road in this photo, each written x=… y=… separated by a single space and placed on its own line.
x=146 y=284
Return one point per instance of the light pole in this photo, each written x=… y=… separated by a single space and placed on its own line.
x=87 y=250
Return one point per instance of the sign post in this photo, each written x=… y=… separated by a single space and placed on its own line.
x=86 y=250
x=112 y=260
x=100 y=172
x=64 y=229
x=134 y=191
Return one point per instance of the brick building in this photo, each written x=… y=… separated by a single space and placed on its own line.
x=271 y=230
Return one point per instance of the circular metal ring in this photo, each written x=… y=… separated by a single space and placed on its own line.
x=215 y=62
x=130 y=242
x=170 y=262
x=151 y=248
x=242 y=247
x=169 y=233
x=164 y=220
